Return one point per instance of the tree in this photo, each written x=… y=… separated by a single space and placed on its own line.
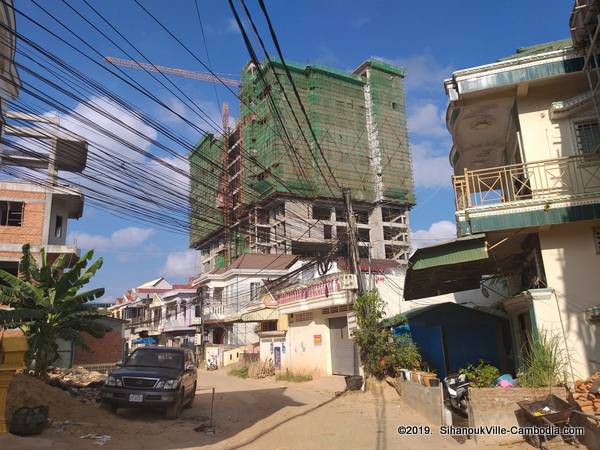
x=46 y=304
x=381 y=352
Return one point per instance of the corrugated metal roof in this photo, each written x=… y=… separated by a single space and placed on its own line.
x=464 y=249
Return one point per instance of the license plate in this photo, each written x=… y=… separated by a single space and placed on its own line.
x=136 y=397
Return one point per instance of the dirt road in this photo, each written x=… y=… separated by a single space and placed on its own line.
x=255 y=414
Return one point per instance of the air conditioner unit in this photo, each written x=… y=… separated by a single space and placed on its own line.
x=348 y=281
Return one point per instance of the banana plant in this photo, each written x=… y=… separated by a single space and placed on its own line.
x=47 y=303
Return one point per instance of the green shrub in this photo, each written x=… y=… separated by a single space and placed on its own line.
x=381 y=352
x=482 y=374
x=294 y=377
x=242 y=372
x=545 y=362
x=408 y=355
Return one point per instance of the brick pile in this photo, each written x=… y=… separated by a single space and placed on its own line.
x=586 y=394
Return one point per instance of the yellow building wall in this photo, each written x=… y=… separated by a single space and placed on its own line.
x=303 y=354
x=543 y=138
x=573 y=270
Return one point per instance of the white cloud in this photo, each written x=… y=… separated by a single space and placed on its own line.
x=210 y=119
x=422 y=71
x=232 y=27
x=181 y=264
x=121 y=239
x=426 y=119
x=431 y=169
x=443 y=230
x=121 y=122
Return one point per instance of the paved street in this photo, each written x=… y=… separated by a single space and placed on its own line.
x=256 y=414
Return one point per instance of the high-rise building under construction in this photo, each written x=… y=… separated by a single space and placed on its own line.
x=273 y=183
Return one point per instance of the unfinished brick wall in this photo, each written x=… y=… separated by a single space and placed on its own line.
x=31 y=229
x=107 y=349
x=498 y=406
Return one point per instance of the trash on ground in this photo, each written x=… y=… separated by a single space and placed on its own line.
x=101 y=439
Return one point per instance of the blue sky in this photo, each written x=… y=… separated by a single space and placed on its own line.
x=430 y=39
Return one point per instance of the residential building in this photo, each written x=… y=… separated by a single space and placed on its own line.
x=278 y=195
x=158 y=312
x=526 y=163
x=10 y=82
x=315 y=337
x=174 y=316
x=232 y=307
x=37 y=212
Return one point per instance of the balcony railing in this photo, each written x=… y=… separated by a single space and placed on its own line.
x=568 y=176
x=326 y=286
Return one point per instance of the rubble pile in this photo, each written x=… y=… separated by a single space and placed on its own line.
x=587 y=394
x=260 y=369
x=79 y=382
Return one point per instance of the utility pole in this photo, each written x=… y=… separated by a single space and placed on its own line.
x=353 y=255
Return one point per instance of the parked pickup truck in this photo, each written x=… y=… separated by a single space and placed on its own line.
x=153 y=376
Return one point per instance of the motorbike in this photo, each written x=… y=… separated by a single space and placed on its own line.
x=457 y=390
x=211 y=364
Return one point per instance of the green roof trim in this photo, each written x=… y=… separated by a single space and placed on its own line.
x=537 y=49
x=386 y=67
x=306 y=69
x=458 y=251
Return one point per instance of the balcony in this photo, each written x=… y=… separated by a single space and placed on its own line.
x=327 y=291
x=540 y=185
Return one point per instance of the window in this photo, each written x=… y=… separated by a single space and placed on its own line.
x=321 y=213
x=596 y=231
x=327 y=231
x=587 y=136
x=11 y=213
x=58 y=227
x=394 y=106
x=254 y=287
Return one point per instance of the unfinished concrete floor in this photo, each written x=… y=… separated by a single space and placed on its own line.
x=257 y=414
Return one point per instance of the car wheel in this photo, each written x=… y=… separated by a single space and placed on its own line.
x=174 y=410
x=109 y=406
x=190 y=402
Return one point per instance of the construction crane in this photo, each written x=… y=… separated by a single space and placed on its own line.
x=202 y=76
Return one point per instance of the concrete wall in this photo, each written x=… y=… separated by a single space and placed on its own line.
x=498 y=406
x=572 y=270
x=303 y=355
x=426 y=401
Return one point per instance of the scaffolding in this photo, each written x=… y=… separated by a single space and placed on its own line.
x=360 y=126
x=584 y=24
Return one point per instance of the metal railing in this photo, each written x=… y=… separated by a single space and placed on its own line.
x=567 y=176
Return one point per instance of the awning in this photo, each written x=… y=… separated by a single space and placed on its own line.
x=453 y=266
x=146 y=340
x=257 y=315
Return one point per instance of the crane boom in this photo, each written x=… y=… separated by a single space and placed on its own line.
x=202 y=76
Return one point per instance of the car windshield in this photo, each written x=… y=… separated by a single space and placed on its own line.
x=155 y=358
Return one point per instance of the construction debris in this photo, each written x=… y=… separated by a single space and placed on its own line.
x=77 y=377
x=261 y=369
x=586 y=396
x=101 y=439
x=79 y=382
